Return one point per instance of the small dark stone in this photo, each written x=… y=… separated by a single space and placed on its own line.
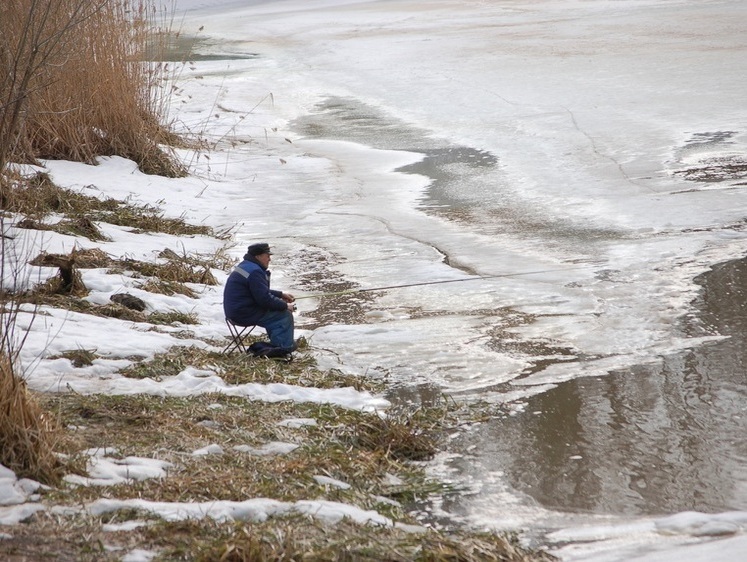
x=129 y=301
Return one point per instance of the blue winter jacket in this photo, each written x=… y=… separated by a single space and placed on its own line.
x=247 y=295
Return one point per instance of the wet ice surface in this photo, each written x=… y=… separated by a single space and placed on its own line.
x=652 y=439
x=577 y=165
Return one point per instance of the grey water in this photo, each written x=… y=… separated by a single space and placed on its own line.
x=654 y=439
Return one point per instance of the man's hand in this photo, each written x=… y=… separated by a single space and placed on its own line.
x=290 y=299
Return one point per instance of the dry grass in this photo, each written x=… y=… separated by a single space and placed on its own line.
x=297 y=539
x=79 y=357
x=68 y=280
x=169 y=277
x=281 y=539
x=91 y=258
x=146 y=218
x=49 y=294
x=37 y=197
x=172 y=317
x=404 y=435
x=161 y=287
x=171 y=428
x=27 y=433
x=174 y=427
x=80 y=86
x=238 y=368
x=173 y=271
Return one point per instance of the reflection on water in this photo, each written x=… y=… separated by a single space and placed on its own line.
x=650 y=440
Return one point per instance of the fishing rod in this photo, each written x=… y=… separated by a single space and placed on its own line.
x=351 y=291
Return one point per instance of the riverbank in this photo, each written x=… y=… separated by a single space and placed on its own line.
x=170 y=448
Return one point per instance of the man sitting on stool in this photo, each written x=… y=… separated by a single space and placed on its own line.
x=249 y=301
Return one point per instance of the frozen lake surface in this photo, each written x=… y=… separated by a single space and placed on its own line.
x=578 y=168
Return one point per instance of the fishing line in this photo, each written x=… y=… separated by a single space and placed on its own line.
x=352 y=291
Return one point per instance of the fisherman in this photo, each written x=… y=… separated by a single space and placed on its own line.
x=249 y=301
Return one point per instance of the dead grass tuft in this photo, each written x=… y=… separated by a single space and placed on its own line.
x=162 y=287
x=177 y=270
x=147 y=218
x=114 y=310
x=404 y=435
x=27 y=433
x=79 y=357
x=300 y=538
x=164 y=364
x=173 y=317
x=37 y=197
x=173 y=271
x=217 y=260
x=81 y=226
x=68 y=280
x=92 y=258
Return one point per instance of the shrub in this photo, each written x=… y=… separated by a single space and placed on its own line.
x=77 y=86
x=26 y=432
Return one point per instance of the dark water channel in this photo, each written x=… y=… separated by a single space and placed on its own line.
x=654 y=439
x=650 y=440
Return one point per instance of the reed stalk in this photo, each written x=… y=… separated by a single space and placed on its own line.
x=77 y=83
x=27 y=434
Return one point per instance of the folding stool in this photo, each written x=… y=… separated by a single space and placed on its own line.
x=238 y=334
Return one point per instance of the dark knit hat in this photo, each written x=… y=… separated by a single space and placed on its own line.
x=259 y=248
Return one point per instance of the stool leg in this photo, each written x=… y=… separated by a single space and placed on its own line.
x=237 y=337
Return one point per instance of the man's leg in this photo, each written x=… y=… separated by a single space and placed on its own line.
x=279 y=326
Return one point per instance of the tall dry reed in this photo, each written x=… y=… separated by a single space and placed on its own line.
x=27 y=433
x=76 y=83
